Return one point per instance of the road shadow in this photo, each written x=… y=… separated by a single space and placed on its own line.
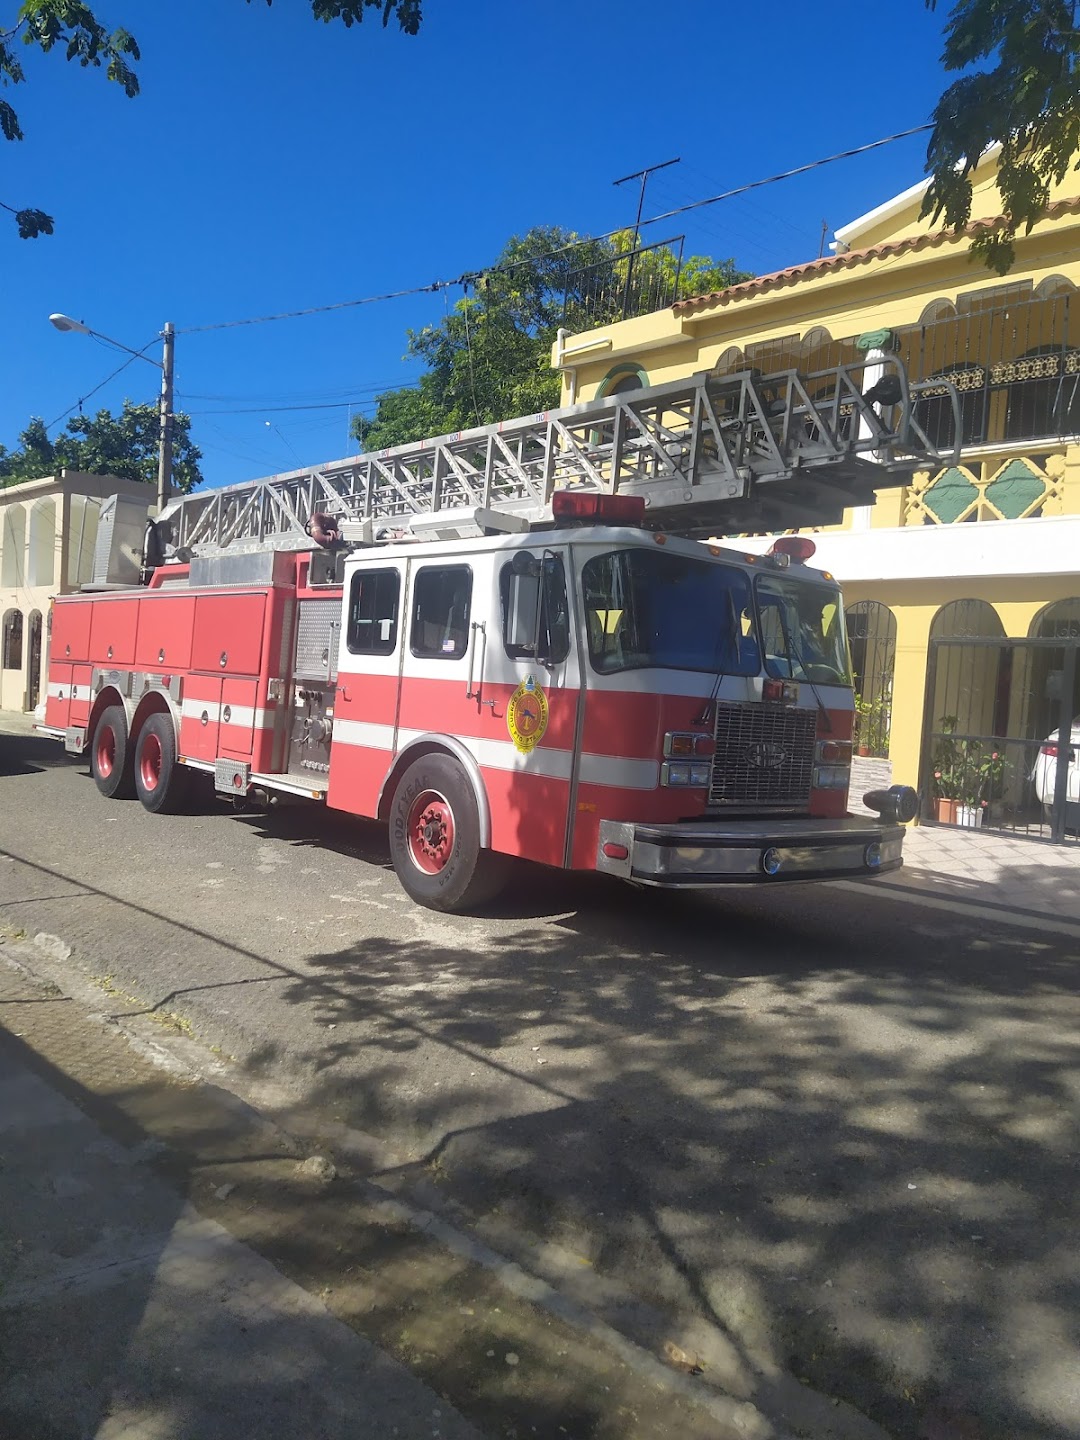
x=29 y=754
x=844 y=1153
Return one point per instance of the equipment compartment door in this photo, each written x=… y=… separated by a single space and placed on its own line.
x=58 y=697
x=112 y=631
x=165 y=632
x=237 y=718
x=70 y=638
x=200 y=716
x=228 y=634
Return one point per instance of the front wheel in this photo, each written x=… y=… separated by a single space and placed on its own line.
x=111 y=760
x=435 y=838
x=161 y=783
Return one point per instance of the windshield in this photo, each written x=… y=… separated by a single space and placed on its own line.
x=653 y=608
x=802 y=630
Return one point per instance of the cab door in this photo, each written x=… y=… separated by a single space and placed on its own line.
x=364 y=730
x=524 y=700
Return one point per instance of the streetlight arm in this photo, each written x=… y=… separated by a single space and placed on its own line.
x=66 y=325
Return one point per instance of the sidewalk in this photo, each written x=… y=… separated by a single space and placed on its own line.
x=126 y=1315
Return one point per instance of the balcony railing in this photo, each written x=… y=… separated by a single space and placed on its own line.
x=635 y=283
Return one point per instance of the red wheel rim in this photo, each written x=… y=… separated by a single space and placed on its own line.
x=430 y=832
x=106 y=751
x=150 y=761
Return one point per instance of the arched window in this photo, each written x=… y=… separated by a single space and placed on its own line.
x=621 y=379
x=936 y=310
x=1058 y=621
x=970 y=678
x=13 y=640
x=13 y=547
x=731 y=362
x=967 y=620
x=41 y=557
x=33 y=659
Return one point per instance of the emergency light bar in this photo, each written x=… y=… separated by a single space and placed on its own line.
x=798 y=548
x=570 y=505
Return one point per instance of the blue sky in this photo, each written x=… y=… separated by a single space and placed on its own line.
x=273 y=163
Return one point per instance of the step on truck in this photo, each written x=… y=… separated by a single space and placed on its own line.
x=528 y=641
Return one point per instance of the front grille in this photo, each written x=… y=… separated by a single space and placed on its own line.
x=764 y=756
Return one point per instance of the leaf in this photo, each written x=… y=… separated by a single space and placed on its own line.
x=33 y=223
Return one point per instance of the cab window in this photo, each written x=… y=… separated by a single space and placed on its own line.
x=440 y=612
x=373 y=612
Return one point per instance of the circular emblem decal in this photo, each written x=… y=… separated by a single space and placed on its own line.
x=527 y=715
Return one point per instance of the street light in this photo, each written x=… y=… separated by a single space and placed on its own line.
x=66 y=324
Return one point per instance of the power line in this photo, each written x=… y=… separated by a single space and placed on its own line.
x=79 y=403
x=470 y=277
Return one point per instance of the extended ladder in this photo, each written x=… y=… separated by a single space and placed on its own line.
x=710 y=455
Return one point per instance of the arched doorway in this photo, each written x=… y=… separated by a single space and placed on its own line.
x=871 y=629
x=33 y=660
x=997 y=708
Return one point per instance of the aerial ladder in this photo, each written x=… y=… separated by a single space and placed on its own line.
x=710 y=455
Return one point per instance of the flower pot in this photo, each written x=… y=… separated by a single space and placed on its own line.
x=863 y=750
x=946 y=812
x=969 y=816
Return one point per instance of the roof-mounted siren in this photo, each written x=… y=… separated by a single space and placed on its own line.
x=574 y=507
x=791 y=550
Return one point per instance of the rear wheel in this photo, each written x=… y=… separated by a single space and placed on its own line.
x=161 y=782
x=435 y=838
x=111 y=757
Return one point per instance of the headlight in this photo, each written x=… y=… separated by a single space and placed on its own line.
x=832 y=777
x=685 y=774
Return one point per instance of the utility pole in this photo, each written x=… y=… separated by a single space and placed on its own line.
x=643 y=176
x=165 y=432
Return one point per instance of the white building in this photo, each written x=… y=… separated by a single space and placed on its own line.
x=48 y=529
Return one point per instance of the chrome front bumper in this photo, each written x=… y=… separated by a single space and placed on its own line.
x=748 y=852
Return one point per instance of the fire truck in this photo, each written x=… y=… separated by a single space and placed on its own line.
x=525 y=641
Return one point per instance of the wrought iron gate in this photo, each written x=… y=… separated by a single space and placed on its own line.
x=1001 y=742
x=871 y=629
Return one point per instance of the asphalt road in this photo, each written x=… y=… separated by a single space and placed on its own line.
x=815 y=1132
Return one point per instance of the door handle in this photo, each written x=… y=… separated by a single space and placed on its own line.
x=470 y=693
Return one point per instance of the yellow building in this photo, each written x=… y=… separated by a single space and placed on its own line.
x=963 y=588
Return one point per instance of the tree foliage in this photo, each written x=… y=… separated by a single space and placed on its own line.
x=1024 y=95
x=125 y=445
x=74 y=30
x=489 y=359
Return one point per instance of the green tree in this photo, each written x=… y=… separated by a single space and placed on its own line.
x=125 y=445
x=72 y=28
x=1023 y=94
x=489 y=359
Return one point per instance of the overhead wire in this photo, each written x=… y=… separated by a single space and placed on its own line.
x=470 y=277
x=139 y=355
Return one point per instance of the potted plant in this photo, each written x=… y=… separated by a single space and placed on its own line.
x=946 y=772
x=863 y=710
x=982 y=775
x=872 y=724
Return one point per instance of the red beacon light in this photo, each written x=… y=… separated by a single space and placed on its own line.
x=797 y=548
x=572 y=506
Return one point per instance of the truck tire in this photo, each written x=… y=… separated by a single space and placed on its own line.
x=160 y=782
x=435 y=838
x=111 y=755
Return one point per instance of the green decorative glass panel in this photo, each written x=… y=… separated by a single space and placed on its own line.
x=1015 y=490
x=950 y=495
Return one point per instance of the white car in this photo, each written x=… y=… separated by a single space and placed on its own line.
x=1045 y=775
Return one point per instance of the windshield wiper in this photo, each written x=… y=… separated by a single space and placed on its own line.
x=721 y=675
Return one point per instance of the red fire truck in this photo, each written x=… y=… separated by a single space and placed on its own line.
x=512 y=642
